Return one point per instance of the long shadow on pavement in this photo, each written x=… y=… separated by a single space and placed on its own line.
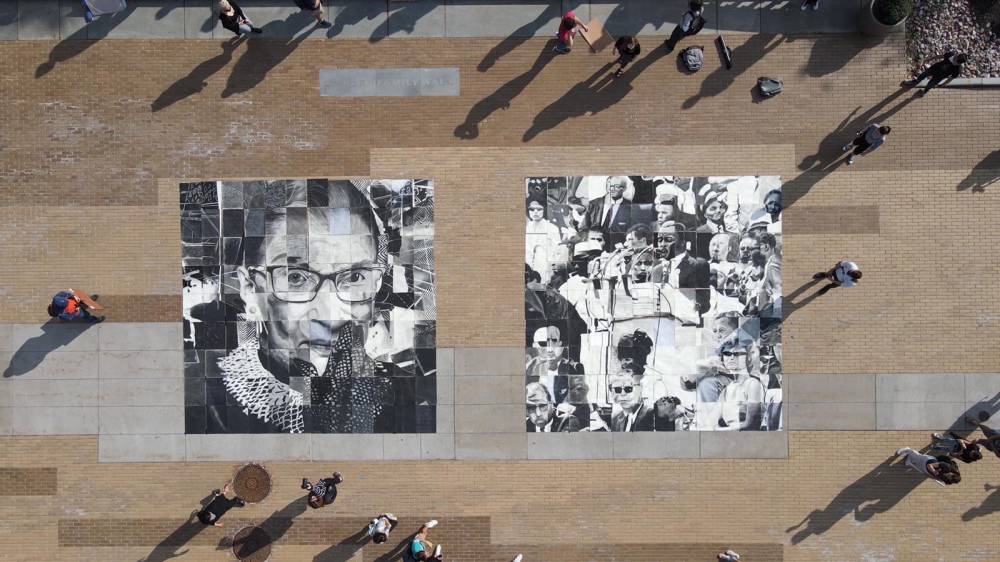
x=829 y=155
x=990 y=505
x=593 y=95
x=744 y=56
x=984 y=174
x=263 y=55
x=55 y=334
x=832 y=52
x=77 y=41
x=167 y=548
x=346 y=549
x=505 y=94
x=403 y=17
x=788 y=303
x=516 y=39
x=196 y=80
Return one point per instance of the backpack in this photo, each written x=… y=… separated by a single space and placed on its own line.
x=693 y=58
x=769 y=87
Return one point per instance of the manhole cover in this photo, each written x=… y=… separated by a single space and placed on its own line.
x=252 y=483
x=252 y=544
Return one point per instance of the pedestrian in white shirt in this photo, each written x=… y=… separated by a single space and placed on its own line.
x=939 y=469
x=845 y=273
x=867 y=141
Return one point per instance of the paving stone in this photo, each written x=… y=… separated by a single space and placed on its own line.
x=802 y=389
x=445 y=418
x=735 y=17
x=491 y=418
x=744 y=444
x=401 y=446
x=833 y=16
x=395 y=82
x=35 y=365
x=489 y=361
x=8 y=20
x=445 y=361
x=141 y=420
x=280 y=19
x=982 y=387
x=416 y=18
x=489 y=389
x=72 y=23
x=200 y=19
x=141 y=448
x=820 y=416
x=445 y=389
x=335 y=447
x=41 y=393
x=146 y=364
x=656 y=445
x=54 y=337
x=6 y=329
x=642 y=17
x=246 y=447
x=934 y=416
x=433 y=446
x=501 y=18
x=357 y=19
x=484 y=446
x=141 y=336
x=53 y=420
x=6 y=420
x=920 y=388
x=38 y=19
x=163 y=19
x=585 y=445
x=142 y=392
x=6 y=392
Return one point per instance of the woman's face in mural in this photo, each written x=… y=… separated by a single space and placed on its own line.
x=714 y=211
x=307 y=299
x=536 y=211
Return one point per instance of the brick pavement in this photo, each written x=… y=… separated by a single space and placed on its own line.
x=85 y=165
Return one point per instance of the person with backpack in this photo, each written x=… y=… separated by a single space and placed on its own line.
x=942 y=470
x=867 y=141
x=627 y=48
x=567 y=32
x=691 y=23
x=324 y=492
x=67 y=307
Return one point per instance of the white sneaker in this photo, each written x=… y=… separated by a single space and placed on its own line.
x=437 y=551
x=431 y=524
x=518 y=558
x=850 y=160
x=805 y=3
x=816 y=6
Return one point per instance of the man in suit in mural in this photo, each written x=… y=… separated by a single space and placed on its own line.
x=678 y=268
x=611 y=213
x=549 y=366
x=543 y=416
x=633 y=414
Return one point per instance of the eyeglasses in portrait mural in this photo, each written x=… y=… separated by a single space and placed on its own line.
x=309 y=306
x=653 y=303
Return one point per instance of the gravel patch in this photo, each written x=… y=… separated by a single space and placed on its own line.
x=938 y=26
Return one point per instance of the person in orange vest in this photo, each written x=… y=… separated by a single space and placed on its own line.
x=66 y=306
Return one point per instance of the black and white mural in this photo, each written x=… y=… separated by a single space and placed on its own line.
x=309 y=306
x=653 y=303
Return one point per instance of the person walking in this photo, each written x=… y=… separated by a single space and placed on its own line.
x=846 y=273
x=948 y=66
x=324 y=492
x=381 y=526
x=728 y=556
x=954 y=447
x=567 y=32
x=691 y=23
x=423 y=549
x=221 y=503
x=627 y=48
x=814 y=4
x=942 y=470
x=867 y=141
x=233 y=19
x=315 y=8
x=67 y=306
x=992 y=441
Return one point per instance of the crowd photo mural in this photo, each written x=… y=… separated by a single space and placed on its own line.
x=309 y=306
x=653 y=303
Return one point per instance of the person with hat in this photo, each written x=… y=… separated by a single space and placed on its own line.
x=67 y=307
x=712 y=211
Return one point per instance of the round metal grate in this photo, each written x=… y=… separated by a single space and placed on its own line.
x=252 y=544
x=252 y=483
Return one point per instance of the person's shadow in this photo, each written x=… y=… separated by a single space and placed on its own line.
x=276 y=526
x=744 y=56
x=503 y=96
x=399 y=552
x=403 y=18
x=788 y=303
x=346 y=549
x=77 y=41
x=984 y=174
x=593 y=95
x=167 y=548
x=55 y=334
x=352 y=13
x=196 y=80
x=832 y=52
x=830 y=155
x=990 y=505
x=516 y=39
x=876 y=492
x=262 y=55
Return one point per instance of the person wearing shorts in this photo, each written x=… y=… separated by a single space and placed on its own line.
x=423 y=549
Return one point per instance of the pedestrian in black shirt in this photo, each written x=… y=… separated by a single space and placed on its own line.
x=627 y=48
x=315 y=8
x=950 y=66
x=234 y=20
x=322 y=493
x=220 y=504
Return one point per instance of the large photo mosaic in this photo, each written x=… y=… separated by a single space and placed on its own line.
x=309 y=306
x=653 y=303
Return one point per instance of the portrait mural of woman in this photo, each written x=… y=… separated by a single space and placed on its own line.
x=309 y=306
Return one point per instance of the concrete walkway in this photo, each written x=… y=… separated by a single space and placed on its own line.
x=378 y=19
